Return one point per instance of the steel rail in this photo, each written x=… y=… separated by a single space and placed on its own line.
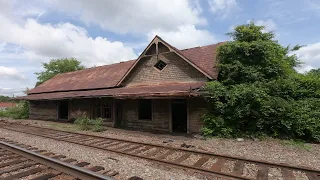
x=61 y=166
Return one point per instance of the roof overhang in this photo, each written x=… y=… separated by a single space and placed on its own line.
x=166 y=90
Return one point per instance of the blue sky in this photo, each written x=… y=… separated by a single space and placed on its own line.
x=99 y=32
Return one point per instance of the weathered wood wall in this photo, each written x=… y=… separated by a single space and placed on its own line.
x=161 y=115
x=44 y=110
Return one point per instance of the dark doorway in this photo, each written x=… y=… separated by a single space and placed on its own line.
x=179 y=115
x=63 y=110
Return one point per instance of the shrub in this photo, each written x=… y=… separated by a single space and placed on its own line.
x=85 y=123
x=21 y=111
x=97 y=124
x=251 y=110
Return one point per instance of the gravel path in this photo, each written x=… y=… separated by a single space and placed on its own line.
x=127 y=167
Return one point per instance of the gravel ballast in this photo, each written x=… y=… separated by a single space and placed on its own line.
x=271 y=150
x=127 y=167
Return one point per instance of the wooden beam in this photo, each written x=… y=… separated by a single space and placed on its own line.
x=114 y=113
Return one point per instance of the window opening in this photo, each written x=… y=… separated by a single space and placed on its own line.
x=160 y=65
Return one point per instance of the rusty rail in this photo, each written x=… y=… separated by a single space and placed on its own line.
x=19 y=155
x=140 y=150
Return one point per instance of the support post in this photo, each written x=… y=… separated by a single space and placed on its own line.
x=114 y=113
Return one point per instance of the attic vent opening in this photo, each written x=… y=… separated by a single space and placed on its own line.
x=160 y=65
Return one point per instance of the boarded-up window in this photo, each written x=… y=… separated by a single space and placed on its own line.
x=145 y=109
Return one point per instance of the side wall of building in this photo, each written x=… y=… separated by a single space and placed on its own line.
x=90 y=108
x=197 y=107
x=161 y=115
x=44 y=110
x=80 y=106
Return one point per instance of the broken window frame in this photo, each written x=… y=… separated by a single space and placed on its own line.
x=160 y=65
x=102 y=109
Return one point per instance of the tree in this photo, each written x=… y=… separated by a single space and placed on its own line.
x=4 y=98
x=259 y=92
x=253 y=56
x=57 y=66
x=315 y=72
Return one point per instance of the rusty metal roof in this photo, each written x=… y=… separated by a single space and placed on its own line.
x=7 y=104
x=92 y=78
x=108 y=76
x=173 y=89
x=204 y=57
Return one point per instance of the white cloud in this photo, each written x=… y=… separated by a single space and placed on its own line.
x=2 y=46
x=123 y=16
x=304 y=68
x=11 y=92
x=40 y=42
x=187 y=36
x=223 y=8
x=269 y=25
x=10 y=73
x=310 y=55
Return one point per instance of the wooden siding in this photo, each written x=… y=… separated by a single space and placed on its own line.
x=44 y=110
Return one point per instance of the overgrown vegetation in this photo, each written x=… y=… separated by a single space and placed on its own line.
x=259 y=92
x=5 y=99
x=85 y=123
x=21 y=111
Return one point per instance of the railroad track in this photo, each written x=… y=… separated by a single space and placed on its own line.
x=206 y=163
x=24 y=163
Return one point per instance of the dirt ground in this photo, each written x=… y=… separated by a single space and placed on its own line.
x=272 y=150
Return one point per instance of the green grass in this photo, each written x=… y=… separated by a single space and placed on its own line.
x=297 y=144
x=65 y=127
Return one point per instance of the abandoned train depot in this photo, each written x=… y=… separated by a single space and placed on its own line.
x=157 y=91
